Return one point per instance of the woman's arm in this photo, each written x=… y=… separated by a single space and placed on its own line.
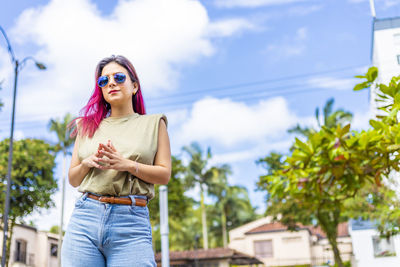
x=159 y=173
x=78 y=170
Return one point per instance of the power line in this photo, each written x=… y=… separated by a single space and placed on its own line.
x=172 y=107
x=255 y=94
x=253 y=83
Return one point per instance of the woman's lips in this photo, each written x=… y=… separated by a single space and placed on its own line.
x=113 y=91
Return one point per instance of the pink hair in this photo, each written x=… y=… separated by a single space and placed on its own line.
x=97 y=108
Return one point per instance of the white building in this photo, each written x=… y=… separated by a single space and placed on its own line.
x=385 y=52
x=273 y=244
x=32 y=248
x=370 y=250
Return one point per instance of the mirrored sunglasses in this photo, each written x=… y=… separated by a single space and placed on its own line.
x=118 y=78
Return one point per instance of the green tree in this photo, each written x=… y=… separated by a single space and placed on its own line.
x=55 y=229
x=321 y=177
x=1 y=103
x=330 y=119
x=232 y=208
x=32 y=178
x=384 y=203
x=199 y=174
x=64 y=144
x=178 y=206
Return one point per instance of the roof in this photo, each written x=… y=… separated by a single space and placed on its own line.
x=383 y=24
x=26 y=226
x=388 y=23
x=362 y=225
x=188 y=256
x=279 y=227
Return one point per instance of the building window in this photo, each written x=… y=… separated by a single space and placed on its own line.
x=263 y=249
x=53 y=250
x=396 y=39
x=383 y=247
x=398 y=59
x=20 y=251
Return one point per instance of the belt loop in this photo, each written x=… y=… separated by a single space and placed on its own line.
x=84 y=195
x=133 y=200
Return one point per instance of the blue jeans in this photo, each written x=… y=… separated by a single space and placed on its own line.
x=101 y=234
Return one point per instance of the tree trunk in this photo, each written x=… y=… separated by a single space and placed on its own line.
x=336 y=252
x=223 y=223
x=10 y=231
x=329 y=222
x=203 y=218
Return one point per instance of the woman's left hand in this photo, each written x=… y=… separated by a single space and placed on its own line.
x=114 y=159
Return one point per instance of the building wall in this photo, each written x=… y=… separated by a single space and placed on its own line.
x=364 y=252
x=288 y=248
x=29 y=235
x=45 y=240
x=385 y=51
x=323 y=253
x=386 y=48
x=37 y=247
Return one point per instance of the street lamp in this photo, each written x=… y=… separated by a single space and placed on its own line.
x=18 y=65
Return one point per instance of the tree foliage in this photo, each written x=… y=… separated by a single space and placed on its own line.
x=178 y=205
x=1 y=103
x=32 y=178
x=330 y=119
x=322 y=176
x=199 y=173
x=230 y=205
x=61 y=129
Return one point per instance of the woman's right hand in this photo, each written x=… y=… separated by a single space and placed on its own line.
x=92 y=161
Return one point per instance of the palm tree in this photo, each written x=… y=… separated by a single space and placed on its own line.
x=220 y=189
x=233 y=203
x=330 y=119
x=60 y=127
x=199 y=173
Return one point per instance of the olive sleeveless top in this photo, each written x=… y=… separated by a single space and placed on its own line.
x=136 y=138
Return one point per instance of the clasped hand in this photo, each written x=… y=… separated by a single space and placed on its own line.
x=112 y=160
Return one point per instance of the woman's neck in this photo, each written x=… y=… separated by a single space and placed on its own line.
x=121 y=111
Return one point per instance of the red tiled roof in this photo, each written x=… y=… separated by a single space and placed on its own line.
x=208 y=254
x=277 y=226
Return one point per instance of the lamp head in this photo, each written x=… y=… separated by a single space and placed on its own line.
x=41 y=66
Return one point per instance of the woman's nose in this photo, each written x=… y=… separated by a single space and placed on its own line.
x=111 y=81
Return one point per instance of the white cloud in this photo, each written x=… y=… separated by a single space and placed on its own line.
x=379 y=3
x=361 y=120
x=303 y=10
x=229 y=26
x=251 y=154
x=158 y=36
x=290 y=45
x=332 y=83
x=231 y=123
x=252 y=3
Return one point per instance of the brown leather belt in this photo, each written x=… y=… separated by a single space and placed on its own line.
x=119 y=200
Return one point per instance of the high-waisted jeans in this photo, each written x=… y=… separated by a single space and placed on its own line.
x=113 y=235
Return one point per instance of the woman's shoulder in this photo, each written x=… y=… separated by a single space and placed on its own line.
x=154 y=117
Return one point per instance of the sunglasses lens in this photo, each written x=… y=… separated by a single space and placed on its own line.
x=119 y=77
x=103 y=80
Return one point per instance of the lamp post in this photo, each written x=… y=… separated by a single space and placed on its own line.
x=18 y=65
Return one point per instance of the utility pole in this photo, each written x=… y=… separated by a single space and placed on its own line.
x=372 y=5
x=164 y=229
x=18 y=65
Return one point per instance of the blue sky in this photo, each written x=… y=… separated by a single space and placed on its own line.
x=230 y=74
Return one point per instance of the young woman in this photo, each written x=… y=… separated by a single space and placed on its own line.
x=119 y=154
